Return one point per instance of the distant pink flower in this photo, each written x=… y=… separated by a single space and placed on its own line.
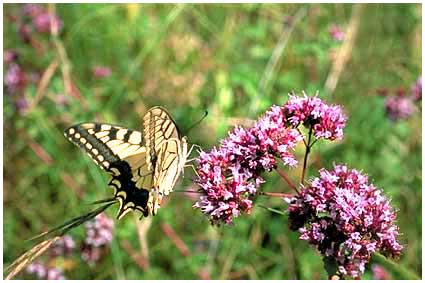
x=90 y=253
x=15 y=78
x=379 y=273
x=229 y=176
x=346 y=217
x=44 y=272
x=417 y=90
x=336 y=32
x=24 y=33
x=9 y=56
x=21 y=104
x=399 y=107
x=327 y=121
x=44 y=21
x=99 y=230
x=101 y=72
x=61 y=99
x=98 y=236
x=33 y=10
x=62 y=247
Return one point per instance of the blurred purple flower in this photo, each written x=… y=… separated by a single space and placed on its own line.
x=55 y=274
x=379 y=273
x=32 y=10
x=230 y=175
x=9 y=56
x=327 y=121
x=43 y=272
x=62 y=247
x=61 y=99
x=98 y=235
x=15 y=78
x=336 y=32
x=44 y=21
x=25 y=33
x=90 y=253
x=417 y=90
x=399 y=107
x=346 y=218
x=38 y=269
x=101 y=72
x=21 y=104
x=99 y=230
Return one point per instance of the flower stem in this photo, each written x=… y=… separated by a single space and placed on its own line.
x=307 y=151
x=271 y=194
x=287 y=179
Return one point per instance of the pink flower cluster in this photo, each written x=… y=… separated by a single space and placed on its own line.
x=326 y=121
x=230 y=175
x=399 y=107
x=98 y=235
x=62 y=247
x=417 y=90
x=336 y=32
x=346 y=218
x=100 y=72
x=44 y=272
x=41 y=19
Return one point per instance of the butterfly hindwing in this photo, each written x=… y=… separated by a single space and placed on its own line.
x=120 y=152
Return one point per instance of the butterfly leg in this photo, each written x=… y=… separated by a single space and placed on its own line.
x=191 y=149
x=193 y=168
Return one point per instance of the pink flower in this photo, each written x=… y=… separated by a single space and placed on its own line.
x=346 y=218
x=399 y=107
x=43 y=22
x=9 y=56
x=15 y=78
x=98 y=236
x=229 y=176
x=379 y=273
x=99 y=231
x=327 y=121
x=101 y=72
x=33 y=10
x=417 y=90
x=62 y=247
x=44 y=272
x=336 y=32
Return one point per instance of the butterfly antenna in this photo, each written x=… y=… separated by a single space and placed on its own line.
x=197 y=123
x=75 y=222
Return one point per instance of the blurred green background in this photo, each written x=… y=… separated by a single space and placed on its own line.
x=235 y=61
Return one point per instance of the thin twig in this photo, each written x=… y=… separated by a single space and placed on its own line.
x=345 y=50
x=42 y=85
x=178 y=242
x=275 y=194
x=138 y=258
x=25 y=259
x=63 y=57
x=287 y=179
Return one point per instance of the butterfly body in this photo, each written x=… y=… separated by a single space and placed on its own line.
x=144 y=166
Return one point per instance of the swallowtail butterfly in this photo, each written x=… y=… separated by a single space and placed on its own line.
x=144 y=166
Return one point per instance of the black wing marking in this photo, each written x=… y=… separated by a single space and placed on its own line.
x=120 y=152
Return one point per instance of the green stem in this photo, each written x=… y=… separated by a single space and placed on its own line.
x=307 y=151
